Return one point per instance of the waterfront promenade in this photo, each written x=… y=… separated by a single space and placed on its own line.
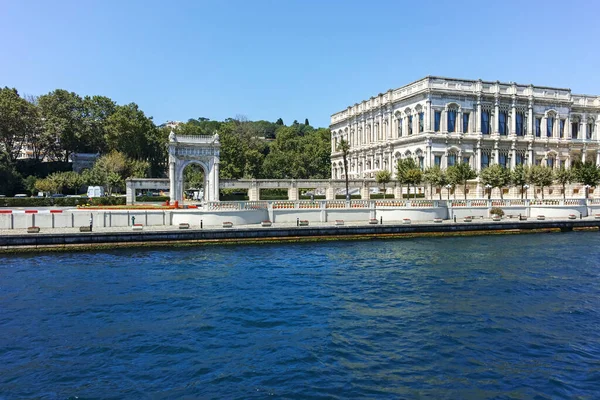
x=70 y=238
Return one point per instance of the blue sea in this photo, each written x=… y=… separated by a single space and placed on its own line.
x=500 y=317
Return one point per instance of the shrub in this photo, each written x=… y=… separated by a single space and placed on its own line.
x=497 y=211
x=161 y=199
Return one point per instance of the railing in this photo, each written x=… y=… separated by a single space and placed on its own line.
x=379 y=204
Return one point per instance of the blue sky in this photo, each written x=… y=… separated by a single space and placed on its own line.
x=292 y=59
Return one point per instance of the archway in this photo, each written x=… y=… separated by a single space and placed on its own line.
x=200 y=150
x=194 y=181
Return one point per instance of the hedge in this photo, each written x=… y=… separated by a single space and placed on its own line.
x=59 y=201
x=161 y=199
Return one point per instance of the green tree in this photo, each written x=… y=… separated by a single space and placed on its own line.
x=62 y=113
x=541 y=176
x=405 y=174
x=279 y=122
x=435 y=176
x=414 y=176
x=115 y=182
x=519 y=176
x=383 y=177
x=587 y=174
x=495 y=176
x=97 y=110
x=9 y=177
x=18 y=118
x=563 y=176
x=344 y=147
x=460 y=174
x=306 y=121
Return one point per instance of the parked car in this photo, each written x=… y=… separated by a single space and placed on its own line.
x=21 y=195
x=55 y=195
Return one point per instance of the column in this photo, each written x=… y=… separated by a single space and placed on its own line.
x=428 y=162
x=544 y=129
x=478 y=161
x=513 y=157
x=597 y=157
x=584 y=126
x=216 y=180
x=530 y=119
x=496 y=113
x=427 y=112
x=478 y=116
x=459 y=124
x=496 y=153
x=172 y=189
x=568 y=127
x=390 y=125
x=530 y=160
x=513 y=119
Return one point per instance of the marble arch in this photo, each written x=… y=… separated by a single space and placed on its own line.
x=185 y=150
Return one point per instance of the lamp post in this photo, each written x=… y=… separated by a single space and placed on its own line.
x=488 y=187
x=448 y=186
x=526 y=187
x=587 y=191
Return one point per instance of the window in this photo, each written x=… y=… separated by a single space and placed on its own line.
x=519 y=159
x=550 y=162
x=400 y=123
x=502 y=123
x=538 y=127
x=520 y=126
x=421 y=162
x=465 y=160
x=502 y=160
x=562 y=128
x=437 y=160
x=590 y=130
x=574 y=129
x=410 y=124
x=549 y=126
x=485 y=160
x=451 y=159
x=451 y=120
x=485 y=122
x=465 y=122
x=421 y=121
x=437 y=118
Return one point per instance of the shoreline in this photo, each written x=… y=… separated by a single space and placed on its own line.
x=252 y=235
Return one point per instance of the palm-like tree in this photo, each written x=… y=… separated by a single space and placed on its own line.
x=344 y=147
x=382 y=177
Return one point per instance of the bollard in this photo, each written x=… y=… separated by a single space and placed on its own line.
x=133 y=220
x=200 y=224
x=455 y=218
x=580 y=215
x=297 y=221
x=381 y=220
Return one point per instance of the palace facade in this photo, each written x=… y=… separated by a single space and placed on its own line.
x=444 y=121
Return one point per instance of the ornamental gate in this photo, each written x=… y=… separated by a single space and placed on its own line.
x=201 y=150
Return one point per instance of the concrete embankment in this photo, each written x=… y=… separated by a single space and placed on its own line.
x=250 y=234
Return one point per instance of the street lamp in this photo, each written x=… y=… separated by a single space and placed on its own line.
x=526 y=187
x=488 y=187
x=587 y=191
x=448 y=186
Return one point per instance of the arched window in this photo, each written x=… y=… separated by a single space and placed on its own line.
x=451 y=161
x=549 y=125
x=451 y=120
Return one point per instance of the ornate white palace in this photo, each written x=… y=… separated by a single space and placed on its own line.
x=443 y=121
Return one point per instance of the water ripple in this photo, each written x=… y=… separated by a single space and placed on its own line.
x=504 y=317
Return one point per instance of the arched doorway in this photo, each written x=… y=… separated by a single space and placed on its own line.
x=200 y=150
x=194 y=178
